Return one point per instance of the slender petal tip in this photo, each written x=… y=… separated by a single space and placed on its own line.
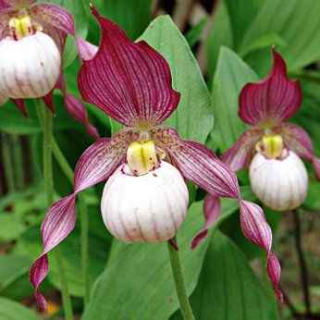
x=212 y=211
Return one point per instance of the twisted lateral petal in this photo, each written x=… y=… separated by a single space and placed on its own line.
x=78 y=111
x=298 y=140
x=212 y=211
x=240 y=154
x=256 y=229
x=58 y=224
x=96 y=164
x=86 y=50
x=129 y=81
x=200 y=165
x=55 y=16
x=272 y=100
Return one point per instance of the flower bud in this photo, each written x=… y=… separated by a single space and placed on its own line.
x=29 y=66
x=281 y=184
x=147 y=208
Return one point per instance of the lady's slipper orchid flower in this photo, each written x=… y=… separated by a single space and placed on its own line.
x=145 y=197
x=272 y=148
x=32 y=40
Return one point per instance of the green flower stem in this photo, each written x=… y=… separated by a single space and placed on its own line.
x=45 y=118
x=7 y=161
x=67 y=170
x=185 y=306
x=18 y=163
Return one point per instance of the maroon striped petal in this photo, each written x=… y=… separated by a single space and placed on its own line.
x=212 y=211
x=272 y=100
x=86 y=50
x=95 y=165
x=256 y=229
x=99 y=161
x=199 y=164
x=129 y=81
x=78 y=111
x=55 y=16
x=240 y=154
x=59 y=222
x=298 y=140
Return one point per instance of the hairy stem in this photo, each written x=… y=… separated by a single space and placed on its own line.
x=304 y=275
x=185 y=306
x=45 y=118
x=67 y=170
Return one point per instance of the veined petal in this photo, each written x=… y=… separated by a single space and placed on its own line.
x=100 y=160
x=78 y=111
x=96 y=164
x=129 y=81
x=272 y=100
x=86 y=50
x=212 y=211
x=59 y=222
x=199 y=164
x=240 y=154
x=256 y=229
x=298 y=140
x=55 y=16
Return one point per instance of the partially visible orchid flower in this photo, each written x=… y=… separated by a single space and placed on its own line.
x=271 y=147
x=145 y=198
x=32 y=40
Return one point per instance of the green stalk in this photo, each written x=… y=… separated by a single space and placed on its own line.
x=7 y=161
x=65 y=167
x=45 y=118
x=18 y=163
x=179 y=282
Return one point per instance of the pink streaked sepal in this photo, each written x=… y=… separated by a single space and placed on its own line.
x=241 y=153
x=199 y=164
x=55 y=16
x=298 y=140
x=95 y=165
x=256 y=229
x=272 y=100
x=212 y=211
x=129 y=81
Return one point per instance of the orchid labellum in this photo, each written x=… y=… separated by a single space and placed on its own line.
x=32 y=40
x=273 y=148
x=145 y=198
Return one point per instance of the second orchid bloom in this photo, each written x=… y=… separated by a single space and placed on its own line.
x=271 y=147
x=145 y=164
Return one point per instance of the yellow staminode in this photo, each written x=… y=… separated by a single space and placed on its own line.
x=271 y=145
x=21 y=27
x=142 y=157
